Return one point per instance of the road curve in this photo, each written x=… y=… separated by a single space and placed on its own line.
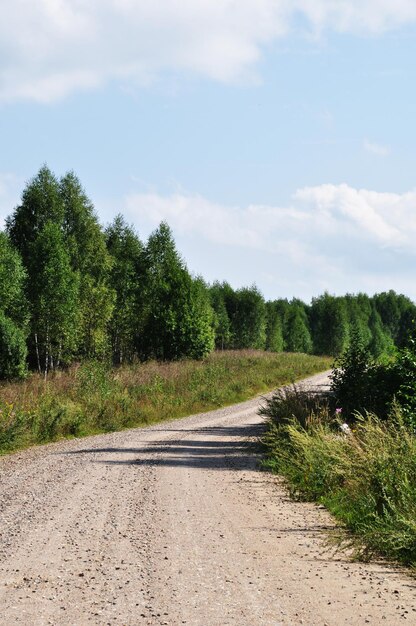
x=174 y=524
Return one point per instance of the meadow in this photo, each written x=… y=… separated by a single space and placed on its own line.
x=92 y=397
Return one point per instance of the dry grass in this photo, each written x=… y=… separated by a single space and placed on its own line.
x=91 y=398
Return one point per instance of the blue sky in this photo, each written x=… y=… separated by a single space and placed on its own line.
x=276 y=137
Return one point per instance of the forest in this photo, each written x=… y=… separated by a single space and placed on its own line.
x=71 y=291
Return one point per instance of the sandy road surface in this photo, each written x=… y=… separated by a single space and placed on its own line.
x=174 y=524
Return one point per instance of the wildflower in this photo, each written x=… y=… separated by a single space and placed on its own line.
x=345 y=428
x=338 y=411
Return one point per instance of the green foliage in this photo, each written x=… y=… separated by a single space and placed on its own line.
x=221 y=321
x=198 y=333
x=13 y=349
x=41 y=203
x=274 y=328
x=405 y=373
x=54 y=300
x=248 y=320
x=296 y=330
x=381 y=342
x=329 y=323
x=360 y=384
x=86 y=294
x=176 y=312
x=366 y=477
x=12 y=279
x=395 y=312
x=352 y=379
x=126 y=251
x=90 y=258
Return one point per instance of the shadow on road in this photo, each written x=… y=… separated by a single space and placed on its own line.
x=217 y=448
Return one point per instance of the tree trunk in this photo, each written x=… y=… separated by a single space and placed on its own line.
x=37 y=353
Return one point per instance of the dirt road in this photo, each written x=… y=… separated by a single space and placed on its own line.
x=174 y=524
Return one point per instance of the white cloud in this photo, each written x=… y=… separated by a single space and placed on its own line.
x=386 y=219
x=376 y=148
x=332 y=237
x=51 y=48
x=10 y=187
x=358 y=16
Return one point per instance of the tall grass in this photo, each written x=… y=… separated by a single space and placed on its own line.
x=93 y=398
x=366 y=477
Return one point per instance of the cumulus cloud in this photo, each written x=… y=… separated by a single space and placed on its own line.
x=332 y=237
x=51 y=48
x=385 y=219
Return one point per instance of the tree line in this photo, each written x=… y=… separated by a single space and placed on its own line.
x=71 y=290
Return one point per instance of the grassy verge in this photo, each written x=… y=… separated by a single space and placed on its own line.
x=91 y=398
x=366 y=476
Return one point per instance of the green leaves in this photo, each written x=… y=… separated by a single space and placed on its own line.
x=13 y=312
x=13 y=349
x=55 y=298
x=175 y=307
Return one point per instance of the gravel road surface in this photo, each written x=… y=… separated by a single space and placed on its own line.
x=174 y=524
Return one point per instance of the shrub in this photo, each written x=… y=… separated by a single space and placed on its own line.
x=294 y=403
x=361 y=385
x=365 y=476
x=405 y=374
x=13 y=350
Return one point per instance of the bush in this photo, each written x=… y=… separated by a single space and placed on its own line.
x=13 y=350
x=405 y=374
x=361 y=385
x=294 y=403
x=365 y=476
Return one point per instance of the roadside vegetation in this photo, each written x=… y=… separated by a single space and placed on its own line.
x=354 y=449
x=91 y=397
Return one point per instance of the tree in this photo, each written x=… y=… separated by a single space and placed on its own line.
x=41 y=203
x=175 y=309
x=359 y=308
x=12 y=282
x=90 y=258
x=196 y=321
x=297 y=335
x=274 y=328
x=249 y=319
x=329 y=325
x=381 y=341
x=13 y=349
x=54 y=301
x=221 y=321
x=126 y=251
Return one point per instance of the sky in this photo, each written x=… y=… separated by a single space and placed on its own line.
x=276 y=137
